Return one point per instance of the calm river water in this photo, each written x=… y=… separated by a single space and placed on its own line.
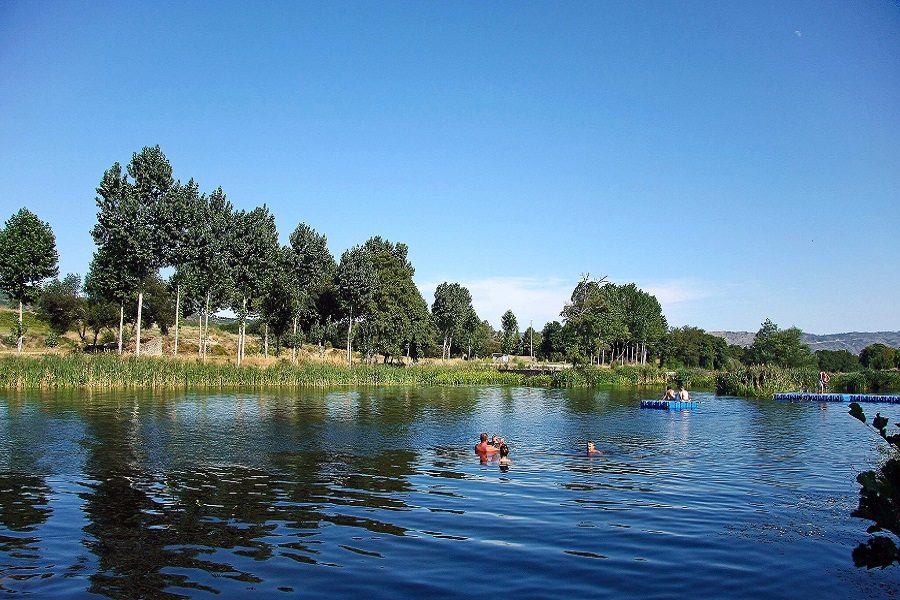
x=377 y=493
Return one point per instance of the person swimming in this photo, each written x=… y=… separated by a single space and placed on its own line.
x=504 y=454
x=670 y=393
x=591 y=449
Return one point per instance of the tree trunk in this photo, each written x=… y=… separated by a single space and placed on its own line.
x=20 y=332
x=349 y=334
x=204 y=329
x=294 y=349
x=444 y=348
x=137 y=338
x=266 y=341
x=449 y=347
x=177 y=313
x=121 y=323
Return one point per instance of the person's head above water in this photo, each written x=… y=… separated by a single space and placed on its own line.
x=590 y=448
x=504 y=450
x=483 y=437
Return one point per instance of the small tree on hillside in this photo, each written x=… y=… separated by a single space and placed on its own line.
x=27 y=257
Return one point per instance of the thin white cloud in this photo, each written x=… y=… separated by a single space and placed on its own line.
x=798 y=33
x=676 y=291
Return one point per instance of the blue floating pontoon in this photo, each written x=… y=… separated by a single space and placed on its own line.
x=805 y=397
x=669 y=404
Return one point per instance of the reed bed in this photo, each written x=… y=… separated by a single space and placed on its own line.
x=765 y=380
x=114 y=372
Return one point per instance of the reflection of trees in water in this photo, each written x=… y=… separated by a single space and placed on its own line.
x=24 y=493
x=23 y=506
x=149 y=531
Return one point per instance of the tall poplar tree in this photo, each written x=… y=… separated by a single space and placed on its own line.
x=178 y=218
x=27 y=257
x=355 y=282
x=312 y=269
x=452 y=303
x=253 y=244
x=129 y=222
x=207 y=272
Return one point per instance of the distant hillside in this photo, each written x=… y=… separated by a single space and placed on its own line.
x=853 y=341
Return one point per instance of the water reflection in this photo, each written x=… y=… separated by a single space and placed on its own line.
x=239 y=494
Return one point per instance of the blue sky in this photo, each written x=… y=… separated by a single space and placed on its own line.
x=739 y=160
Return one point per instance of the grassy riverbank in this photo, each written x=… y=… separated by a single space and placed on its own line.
x=113 y=372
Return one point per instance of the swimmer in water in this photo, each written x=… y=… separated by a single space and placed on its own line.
x=591 y=449
x=504 y=454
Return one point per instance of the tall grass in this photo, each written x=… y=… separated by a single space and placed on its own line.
x=113 y=372
x=866 y=381
x=764 y=380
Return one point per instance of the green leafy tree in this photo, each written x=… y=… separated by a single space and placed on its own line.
x=692 y=347
x=837 y=361
x=178 y=218
x=784 y=348
x=553 y=343
x=397 y=307
x=356 y=282
x=253 y=246
x=27 y=258
x=592 y=317
x=878 y=356
x=277 y=302
x=531 y=342
x=207 y=273
x=511 y=342
x=312 y=268
x=109 y=281
x=129 y=220
x=61 y=305
x=452 y=303
x=159 y=304
x=644 y=320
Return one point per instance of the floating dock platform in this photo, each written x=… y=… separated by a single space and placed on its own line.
x=669 y=404
x=805 y=397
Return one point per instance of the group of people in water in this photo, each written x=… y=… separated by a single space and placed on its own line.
x=681 y=394
x=496 y=445
x=490 y=447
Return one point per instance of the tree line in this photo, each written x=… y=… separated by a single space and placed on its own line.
x=221 y=258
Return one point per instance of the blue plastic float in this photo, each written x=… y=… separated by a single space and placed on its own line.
x=669 y=404
x=806 y=397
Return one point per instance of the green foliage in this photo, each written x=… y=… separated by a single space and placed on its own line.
x=159 y=304
x=27 y=256
x=878 y=356
x=866 y=380
x=693 y=347
x=52 y=340
x=398 y=314
x=783 y=348
x=451 y=310
x=60 y=304
x=764 y=380
x=879 y=502
x=608 y=317
x=510 y=343
x=553 y=342
x=837 y=361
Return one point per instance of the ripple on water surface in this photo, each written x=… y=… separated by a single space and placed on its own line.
x=377 y=493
